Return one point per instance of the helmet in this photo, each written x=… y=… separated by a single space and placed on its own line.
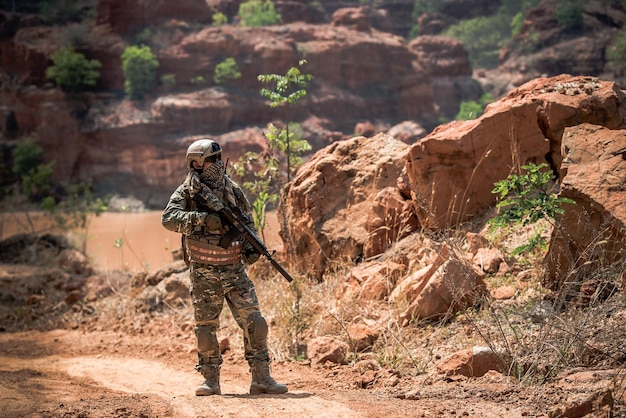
x=202 y=149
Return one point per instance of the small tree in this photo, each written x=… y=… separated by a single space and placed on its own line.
x=219 y=19
x=287 y=90
x=72 y=71
x=139 y=65
x=226 y=70
x=525 y=199
x=258 y=13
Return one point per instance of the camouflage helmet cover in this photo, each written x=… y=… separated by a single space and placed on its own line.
x=200 y=150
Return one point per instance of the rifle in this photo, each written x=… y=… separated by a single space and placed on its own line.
x=238 y=221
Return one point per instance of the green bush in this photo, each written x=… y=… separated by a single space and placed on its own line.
x=525 y=199
x=569 y=14
x=226 y=70
x=35 y=177
x=258 y=13
x=471 y=109
x=72 y=71
x=219 y=19
x=139 y=65
x=426 y=6
x=483 y=38
x=26 y=156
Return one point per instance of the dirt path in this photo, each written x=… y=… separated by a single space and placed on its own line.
x=135 y=376
x=67 y=373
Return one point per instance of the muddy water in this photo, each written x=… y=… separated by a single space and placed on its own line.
x=124 y=241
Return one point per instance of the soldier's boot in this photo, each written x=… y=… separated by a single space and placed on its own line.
x=262 y=381
x=211 y=385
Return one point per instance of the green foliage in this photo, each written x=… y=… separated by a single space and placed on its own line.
x=198 y=80
x=226 y=70
x=168 y=81
x=255 y=13
x=72 y=71
x=426 y=6
x=26 y=156
x=35 y=177
x=471 y=109
x=139 y=65
x=483 y=38
x=288 y=141
x=569 y=14
x=219 y=19
x=261 y=171
x=517 y=23
x=76 y=204
x=525 y=199
x=261 y=177
x=287 y=90
x=616 y=53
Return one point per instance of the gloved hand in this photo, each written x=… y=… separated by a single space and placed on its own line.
x=250 y=254
x=213 y=222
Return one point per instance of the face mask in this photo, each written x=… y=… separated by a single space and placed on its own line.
x=213 y=176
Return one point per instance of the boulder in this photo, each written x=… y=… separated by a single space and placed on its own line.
x=452 y=170
x=591 y=234
x=474 y=362
x=453 y=287
x=324 y=211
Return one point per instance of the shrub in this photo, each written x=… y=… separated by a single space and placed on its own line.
x=483 y=37
x=258 y=13
x=526 y=199
x=219 y=19
x=139 y=65
x=569 y=14
x=472 y=110
x=72 y=71
x=26 y=156
x=226 y=70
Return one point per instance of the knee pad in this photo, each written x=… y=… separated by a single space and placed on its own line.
x=205 y=341
x=257 y=327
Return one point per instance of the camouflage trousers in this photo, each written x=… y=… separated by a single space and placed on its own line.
x=210 y=286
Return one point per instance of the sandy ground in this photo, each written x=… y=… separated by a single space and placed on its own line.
x=67 y=373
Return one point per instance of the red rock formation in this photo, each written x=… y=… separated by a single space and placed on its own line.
x=591 y=234
x=452 y=170
x=324 y=210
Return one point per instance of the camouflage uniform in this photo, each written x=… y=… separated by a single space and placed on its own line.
x=214 y=253
x=211 y=284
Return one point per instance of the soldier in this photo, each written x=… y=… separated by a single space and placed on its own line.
x=217 y=258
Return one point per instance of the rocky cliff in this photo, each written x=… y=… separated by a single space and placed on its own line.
x=368 y=78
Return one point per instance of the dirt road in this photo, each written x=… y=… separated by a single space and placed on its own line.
x=67 y=373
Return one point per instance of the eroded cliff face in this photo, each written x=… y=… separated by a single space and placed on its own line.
x=136 y=148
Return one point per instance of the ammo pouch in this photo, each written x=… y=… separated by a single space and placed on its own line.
x=204 y=253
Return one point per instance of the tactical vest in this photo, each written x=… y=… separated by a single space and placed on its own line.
x=215 y=250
